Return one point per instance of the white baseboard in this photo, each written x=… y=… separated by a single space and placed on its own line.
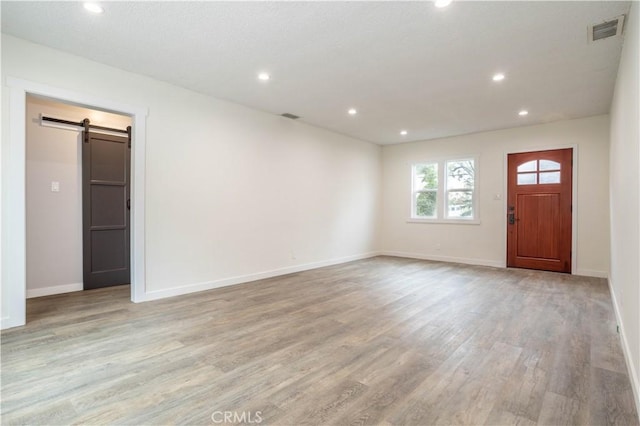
x=58 y=289
x=450 y=259
x=210 y=285
x=481 y=262
x=591 y=273
x=631 y=370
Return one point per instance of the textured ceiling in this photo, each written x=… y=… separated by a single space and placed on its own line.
x=403 y=65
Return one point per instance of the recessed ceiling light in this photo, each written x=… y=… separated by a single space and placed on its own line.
x=93 y=8
x=498 y=77
x=523 y=113
x=403 y=132
x=352 y=111
x=442 y=3
x=263 y=76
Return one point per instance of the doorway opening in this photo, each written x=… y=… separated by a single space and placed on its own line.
x=540 y=210
x=14 y=182
x=63 y=199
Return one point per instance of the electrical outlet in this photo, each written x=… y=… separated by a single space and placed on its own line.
x=438 y=246
x=55 y=186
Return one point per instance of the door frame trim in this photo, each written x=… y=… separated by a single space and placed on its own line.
x=574 y=197
x=13 y=230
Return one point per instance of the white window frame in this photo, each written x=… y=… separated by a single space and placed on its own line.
x=442 y=197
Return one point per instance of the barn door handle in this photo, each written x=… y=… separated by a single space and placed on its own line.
x=128 y=203
x=511 y=215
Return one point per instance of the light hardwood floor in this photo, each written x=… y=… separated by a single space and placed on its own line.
x=379 y=341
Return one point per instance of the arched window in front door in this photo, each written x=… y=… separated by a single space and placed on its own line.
x=539 y=172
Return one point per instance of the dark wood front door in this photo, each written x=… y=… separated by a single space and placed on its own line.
x=105 y=210
x=539 y=210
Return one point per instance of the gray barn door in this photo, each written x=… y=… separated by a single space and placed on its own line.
x=106 y=163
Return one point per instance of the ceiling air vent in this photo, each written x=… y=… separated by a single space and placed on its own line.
x=291 y=116
x=611 y=28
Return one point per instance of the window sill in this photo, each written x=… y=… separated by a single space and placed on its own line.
x=445 y=221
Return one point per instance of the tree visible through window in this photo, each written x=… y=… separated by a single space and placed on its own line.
x=425 y=188
x=460 y=188
x=453 y=178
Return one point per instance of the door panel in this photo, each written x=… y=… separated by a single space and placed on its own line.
x=108 y=205
x=538 y=220
x=106 y=255
x=105 y=191
x=539 y=210
x=108 y=162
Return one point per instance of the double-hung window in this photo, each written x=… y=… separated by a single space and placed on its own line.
x=444 y=190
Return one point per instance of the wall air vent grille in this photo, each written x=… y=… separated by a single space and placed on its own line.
x=611 y=28
x=291 y=116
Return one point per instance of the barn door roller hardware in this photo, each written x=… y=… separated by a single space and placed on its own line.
x=86 y=125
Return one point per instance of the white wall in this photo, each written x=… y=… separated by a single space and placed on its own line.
x=486 y=243
x=54 y=219
x=231 y=192
x=625 y=193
